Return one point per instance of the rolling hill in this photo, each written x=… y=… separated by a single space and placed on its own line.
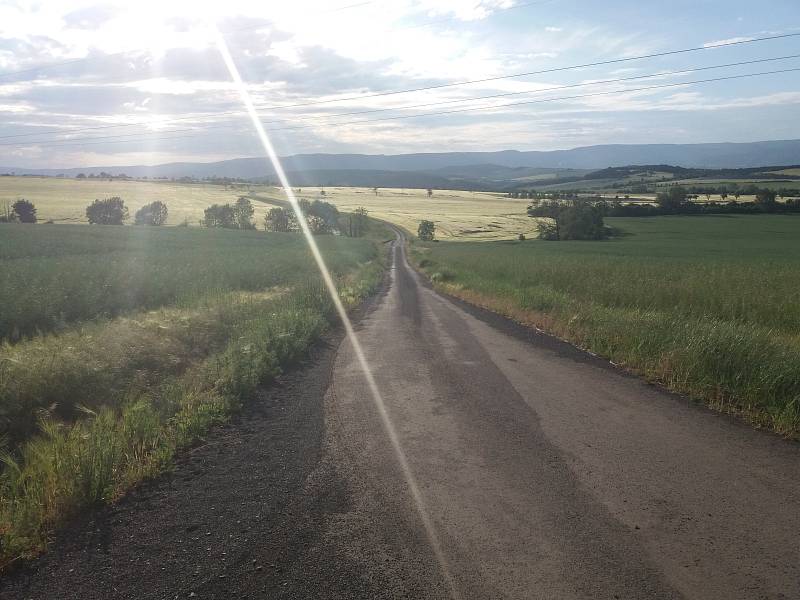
x=470 y=170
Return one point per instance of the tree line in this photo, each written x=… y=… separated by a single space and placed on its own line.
x=693 y=192
x=580 y=218
x=230 y=216
x=112 y=211
x=322 y=217
x=724 y=190
x=676 y=200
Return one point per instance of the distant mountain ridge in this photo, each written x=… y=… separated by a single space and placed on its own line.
x=432 y=168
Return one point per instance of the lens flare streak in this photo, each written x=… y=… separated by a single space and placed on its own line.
x=414 y=489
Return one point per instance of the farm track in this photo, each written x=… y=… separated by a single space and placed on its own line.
x=541 y=471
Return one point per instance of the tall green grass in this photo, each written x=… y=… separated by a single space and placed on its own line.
x=706 y=305
x=55 y=275
x=94 y=408
x=107 y=363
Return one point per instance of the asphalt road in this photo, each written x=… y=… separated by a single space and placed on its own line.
x=547 y=473
x=494 y=462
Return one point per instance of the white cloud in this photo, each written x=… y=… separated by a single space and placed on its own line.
x=533 y=55
x=149 y=62
x=733 y=40
x=684 y=101
x=162 y=85
x=466 y=10
x=16 y=108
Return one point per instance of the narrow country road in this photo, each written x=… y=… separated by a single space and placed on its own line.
x=487 y=462
x=547 y=474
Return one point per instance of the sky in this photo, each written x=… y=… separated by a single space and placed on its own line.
x=122 y=83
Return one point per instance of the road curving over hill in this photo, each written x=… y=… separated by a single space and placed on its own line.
x=494 y=462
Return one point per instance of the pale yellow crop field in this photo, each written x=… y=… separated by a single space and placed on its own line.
x=65 y=200
x=458 y=215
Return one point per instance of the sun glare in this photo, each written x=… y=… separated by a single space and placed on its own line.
x=330 y=285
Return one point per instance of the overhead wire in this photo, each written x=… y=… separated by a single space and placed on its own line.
x=463 y=110
x=423 y=88
x=439 y=103
x=541 y=71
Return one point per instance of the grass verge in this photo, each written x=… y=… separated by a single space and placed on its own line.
x=703 y=306
x=103 y=406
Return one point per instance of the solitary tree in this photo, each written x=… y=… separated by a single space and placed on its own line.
x=430 y=192
x=154 y=213
x=243 y=213
x=7 y=216
x=766 y=200
x=326 y=216
x=426 y=231
x=673 y=199
x=219 y=215
x=358 y=222
x=581 y=222
x=24 y=211
x=574 y=221
x=111 y=211
x=277 y=219
x=317 y=224
x=549 y=209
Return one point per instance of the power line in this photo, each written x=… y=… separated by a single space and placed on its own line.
x=573 y=85
x=540 y=72
x=426 y=88
x=525 y=102
x=469 y=109
x=460 y=100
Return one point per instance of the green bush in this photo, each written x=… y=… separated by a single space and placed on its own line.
x=111 y=211
x=426 y=231
x=154 y=213
x=581 y=222
x=575 y=221
x=23 y=211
